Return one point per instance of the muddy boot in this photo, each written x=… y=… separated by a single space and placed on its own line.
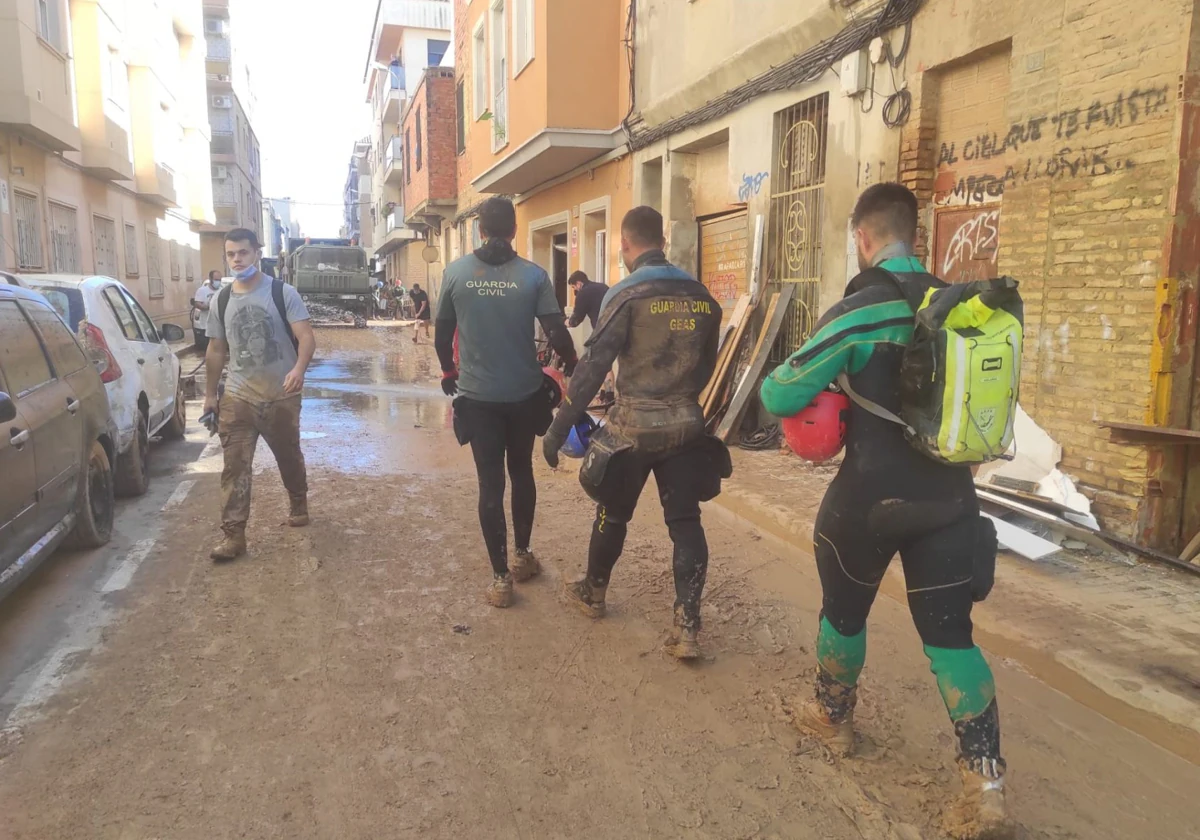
x=231 y=546
x=684 y=641
x=586 y=597
x=525 y=566
x=829 y=716
x=980 y=812
x=298 y=517
x=500 y=593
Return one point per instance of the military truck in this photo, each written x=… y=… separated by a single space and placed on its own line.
x=332 y=272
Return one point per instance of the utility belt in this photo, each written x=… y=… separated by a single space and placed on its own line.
x=638 y=431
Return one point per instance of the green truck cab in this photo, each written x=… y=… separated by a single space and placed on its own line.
x=333 y=272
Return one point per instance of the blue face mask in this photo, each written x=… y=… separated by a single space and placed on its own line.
x=246 y=273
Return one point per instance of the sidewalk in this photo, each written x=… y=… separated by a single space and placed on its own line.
x=1121 y=639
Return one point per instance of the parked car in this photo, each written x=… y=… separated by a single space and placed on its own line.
x=10 y=279
x=57 y=439
x=141 y=372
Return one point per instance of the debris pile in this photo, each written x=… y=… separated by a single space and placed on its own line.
x=323 y=313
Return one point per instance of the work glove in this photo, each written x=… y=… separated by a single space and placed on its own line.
x=569 y=366
x=551 y=443
x=450 y=383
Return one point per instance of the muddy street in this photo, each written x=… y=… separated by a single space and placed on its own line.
x=347 y=680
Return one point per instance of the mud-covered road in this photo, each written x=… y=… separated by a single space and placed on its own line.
x=346 y=680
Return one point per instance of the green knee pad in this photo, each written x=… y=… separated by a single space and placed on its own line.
x=964 y=679
x=842 y=657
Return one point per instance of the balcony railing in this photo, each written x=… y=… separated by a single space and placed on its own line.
x=391 y=156
x=225 y=194
x=395 y=219
x=396 y=77
x=219 y=49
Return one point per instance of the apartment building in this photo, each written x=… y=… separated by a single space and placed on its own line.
x=104 y=143
x=430 y=193
x=1049 y=141
x=542 y=89
x=356 y=195
x=407 y=37
x=236 y=155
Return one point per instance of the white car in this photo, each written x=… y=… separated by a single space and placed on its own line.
x=141 y=373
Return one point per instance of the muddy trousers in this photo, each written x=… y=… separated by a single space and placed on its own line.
x=500 y=432
x=241 y=424
x=680 y=477
x=855 y=540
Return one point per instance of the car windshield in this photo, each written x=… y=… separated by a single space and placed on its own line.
x=67 y=302
x=331 y=259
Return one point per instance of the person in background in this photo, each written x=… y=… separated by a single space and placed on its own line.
x=420 y=301
x=489 y=302
x=200 y=304
x=261 y=327
x=588 y=297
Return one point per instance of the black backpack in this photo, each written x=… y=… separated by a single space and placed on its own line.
x=276 y=295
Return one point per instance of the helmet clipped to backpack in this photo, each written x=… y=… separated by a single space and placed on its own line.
x=818 y=432
x=580 y=437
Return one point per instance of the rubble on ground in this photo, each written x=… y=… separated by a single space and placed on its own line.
x=325 y=313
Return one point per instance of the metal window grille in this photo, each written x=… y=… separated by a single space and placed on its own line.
x=154 y=264
x=29 y=230
x=104 y=236
x=131 y=252
x=796 y=215
x=64 y=239
x=173 y=248
x=460 y=97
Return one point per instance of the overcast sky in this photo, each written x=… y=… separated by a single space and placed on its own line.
x=306 y=62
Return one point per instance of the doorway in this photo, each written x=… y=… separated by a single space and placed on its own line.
x=559 y=272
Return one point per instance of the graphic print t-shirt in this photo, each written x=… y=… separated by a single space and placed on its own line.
x=260 y=352
x=495 y=307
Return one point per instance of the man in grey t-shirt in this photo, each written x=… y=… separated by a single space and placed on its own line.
x=261 y=325
x=490 y=299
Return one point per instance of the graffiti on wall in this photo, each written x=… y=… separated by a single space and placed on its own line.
x=966 y=242
x=751 y=185
x=1070 y=160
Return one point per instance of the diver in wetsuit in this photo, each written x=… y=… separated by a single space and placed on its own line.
x=888 y=498
x=663 y=327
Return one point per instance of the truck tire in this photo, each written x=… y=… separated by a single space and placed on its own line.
x=94 y=503
x=133 y=468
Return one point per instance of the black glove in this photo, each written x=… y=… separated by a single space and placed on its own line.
x=569 y=366
x=450 y=383
x=551 y=443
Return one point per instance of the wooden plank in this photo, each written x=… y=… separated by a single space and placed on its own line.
x=758 y=359
x=728 y=352
x=1038 y=501
x=1030 y=546
x=1140 y=431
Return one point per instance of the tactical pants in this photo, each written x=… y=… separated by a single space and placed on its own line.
x=682 y=477
x=241 y=424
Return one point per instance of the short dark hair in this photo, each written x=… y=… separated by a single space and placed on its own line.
x=888 y=208
x=643 y=226
x=214 y=271
x=416 y=285
x=244 y=235
x=577 y=277
x=497 y=217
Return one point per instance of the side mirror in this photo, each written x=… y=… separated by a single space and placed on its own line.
x=171 y=333
x=8 y=408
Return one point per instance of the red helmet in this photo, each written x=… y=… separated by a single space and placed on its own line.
x=556 y=375
x=819 y=432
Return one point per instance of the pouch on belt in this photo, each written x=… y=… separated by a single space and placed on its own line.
x=607 y=443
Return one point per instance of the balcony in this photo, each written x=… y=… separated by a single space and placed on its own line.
x=553 y=118
x=106 y=152
x=103 y=125
x=393 y=167
x=35 y=85
x=395 y=234
x=393 y=95
x=156 y=183
x=219 y=48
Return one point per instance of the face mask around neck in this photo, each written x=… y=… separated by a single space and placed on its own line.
x=246 y=273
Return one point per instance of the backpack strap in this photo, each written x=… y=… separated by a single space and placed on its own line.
x=222 y=303
x=277 y=296
x=871 y=406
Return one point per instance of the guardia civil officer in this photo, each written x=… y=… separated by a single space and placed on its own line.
x=662 y=326
x=492 y=298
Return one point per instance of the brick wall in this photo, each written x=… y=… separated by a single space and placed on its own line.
x=1062 y=118
x=433 y=102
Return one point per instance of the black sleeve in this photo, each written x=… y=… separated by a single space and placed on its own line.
x=577 y=316
x=604 y=346
x=443 y=340
x=560 y=339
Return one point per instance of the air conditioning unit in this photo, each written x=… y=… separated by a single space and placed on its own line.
x=222 y=102
x=220 y=172
x=214 y=27
x=222 y=77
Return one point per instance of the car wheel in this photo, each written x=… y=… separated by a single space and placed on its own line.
x=177 y=425
x=94 y=504
x=133 y=468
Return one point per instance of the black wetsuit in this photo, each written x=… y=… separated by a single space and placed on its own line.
x=663 y=327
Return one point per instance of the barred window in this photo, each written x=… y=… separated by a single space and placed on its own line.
x=104 y=242
x=29 y=230
x=131 y=252
x=64 y=239
x=154 y=264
